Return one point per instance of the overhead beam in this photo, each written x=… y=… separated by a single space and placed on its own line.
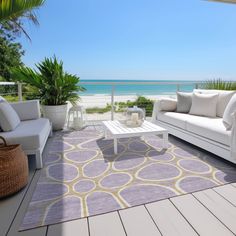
x=224 y=1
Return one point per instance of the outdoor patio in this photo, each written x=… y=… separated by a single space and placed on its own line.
x=128 y=128
x=177 y=215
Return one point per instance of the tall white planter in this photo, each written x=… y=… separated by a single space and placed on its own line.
x=56 y=114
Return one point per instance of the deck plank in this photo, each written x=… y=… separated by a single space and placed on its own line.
x=228 y=192
x=201 y=219
x=220 y=207
x=234 y=185
x=169 y=220
x=21 y=212
x=138 y=222
x=106 y=225
x=10 y=205
x=70 y=228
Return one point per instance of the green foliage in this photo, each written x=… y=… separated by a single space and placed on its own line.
x=219 y=84
x=10 y=53
x=141 y=102
x=99 y=109
x=12 y=12
x=52 y=84
x=10 y=57
x=11 y=98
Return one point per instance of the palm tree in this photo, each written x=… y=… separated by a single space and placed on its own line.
x=11 y=11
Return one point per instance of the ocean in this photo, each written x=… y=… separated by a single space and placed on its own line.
x=137 y=89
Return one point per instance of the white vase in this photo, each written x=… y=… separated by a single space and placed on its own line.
x=56 y=114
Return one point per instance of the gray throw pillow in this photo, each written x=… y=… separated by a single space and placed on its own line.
x=184 y=102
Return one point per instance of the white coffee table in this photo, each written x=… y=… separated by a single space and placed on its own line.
x=119 y=130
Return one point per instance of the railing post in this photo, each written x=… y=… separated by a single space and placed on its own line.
x=19 y=86
x=112 y=101
x=177 y=85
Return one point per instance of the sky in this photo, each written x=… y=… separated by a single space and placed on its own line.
x=136 y=39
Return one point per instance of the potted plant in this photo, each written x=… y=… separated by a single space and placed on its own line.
x=53 y=86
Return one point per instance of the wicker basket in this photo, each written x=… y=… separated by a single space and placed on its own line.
x=13 y=168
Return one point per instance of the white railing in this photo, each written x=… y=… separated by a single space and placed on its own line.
x=113 y=87
x=19 y=88
x=114 y=84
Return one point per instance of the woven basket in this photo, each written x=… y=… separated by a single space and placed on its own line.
x=13 y=168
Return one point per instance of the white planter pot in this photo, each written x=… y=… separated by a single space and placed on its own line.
x=56 y=114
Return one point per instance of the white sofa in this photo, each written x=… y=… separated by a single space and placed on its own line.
x=206 y=132
x=32 y=132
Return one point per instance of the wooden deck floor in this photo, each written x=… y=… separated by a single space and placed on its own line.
x=209 y=212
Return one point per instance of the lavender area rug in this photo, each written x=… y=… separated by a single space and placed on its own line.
x=82 y=176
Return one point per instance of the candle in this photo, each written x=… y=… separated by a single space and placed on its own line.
x=77 y=122
x=134 y=117
x=129 y=122
x=139 y=122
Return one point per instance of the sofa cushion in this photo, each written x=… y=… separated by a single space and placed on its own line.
x=204 y=104
x=173 y=118
x=230 y=109
x=167 y=104
x=223 y=98
x=27 y=110
x=211 y=128
x=30 y=134
x=9 y=119
x=184 y=102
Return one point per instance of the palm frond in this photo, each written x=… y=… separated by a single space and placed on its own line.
x=54 y=86
x=12 y=9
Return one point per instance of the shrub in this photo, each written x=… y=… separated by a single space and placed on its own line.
x=219 y=84
x=141 y=102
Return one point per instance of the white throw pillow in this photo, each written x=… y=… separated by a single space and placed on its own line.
x=9 y=119
x=167 y=104
x=204 y=104
x=230 y=109
x=223 y=99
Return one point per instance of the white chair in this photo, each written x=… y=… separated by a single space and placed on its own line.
x=32 y=132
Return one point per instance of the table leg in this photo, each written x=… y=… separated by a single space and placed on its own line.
x=115 y=145
x=165 y=140
x=105 y=133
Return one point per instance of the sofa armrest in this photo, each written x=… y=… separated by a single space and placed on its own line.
x=27 y=110
x=233 y=137
x=163 y=104
x=156 y=109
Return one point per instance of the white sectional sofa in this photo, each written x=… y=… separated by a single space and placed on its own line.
x=208 y=133
x=32 y=132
